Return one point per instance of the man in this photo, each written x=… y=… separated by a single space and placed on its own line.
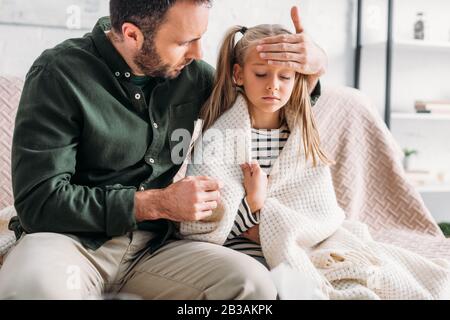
x=92 y=168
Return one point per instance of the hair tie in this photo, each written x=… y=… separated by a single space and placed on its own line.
x=243 y=30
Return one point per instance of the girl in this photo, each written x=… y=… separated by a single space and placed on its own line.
x=284 y=198
x=268 y=90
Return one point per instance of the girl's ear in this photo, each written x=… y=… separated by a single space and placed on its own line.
x=238 y=78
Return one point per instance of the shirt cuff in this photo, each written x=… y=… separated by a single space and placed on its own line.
x=253 y=217
x=315 y=94
x=120 y=217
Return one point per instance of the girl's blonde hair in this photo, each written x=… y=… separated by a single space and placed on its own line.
x=225 y=90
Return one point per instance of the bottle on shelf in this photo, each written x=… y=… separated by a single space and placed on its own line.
x=419 y=27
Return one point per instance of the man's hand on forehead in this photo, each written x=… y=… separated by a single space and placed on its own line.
x=294 y=51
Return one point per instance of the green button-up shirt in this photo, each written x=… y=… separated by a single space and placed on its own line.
x=87 y=137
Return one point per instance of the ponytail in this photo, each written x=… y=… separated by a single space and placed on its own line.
x=224 y=92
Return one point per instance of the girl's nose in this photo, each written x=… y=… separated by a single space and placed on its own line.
x=272 y=86
x=273 y=83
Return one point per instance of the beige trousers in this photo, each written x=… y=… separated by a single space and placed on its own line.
x=55 y=266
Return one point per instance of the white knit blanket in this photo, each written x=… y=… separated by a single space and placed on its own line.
x=302 y=225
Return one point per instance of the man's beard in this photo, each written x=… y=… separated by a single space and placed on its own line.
x=151 y=64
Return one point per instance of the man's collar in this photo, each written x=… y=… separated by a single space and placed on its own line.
x=106 y=49
x=112 y=57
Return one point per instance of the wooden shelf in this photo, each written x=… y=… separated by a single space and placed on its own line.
x=423 y=44
x=426 y=182
x=437 y=200
x=420 y=116
x=414 y=45
x=434 y=189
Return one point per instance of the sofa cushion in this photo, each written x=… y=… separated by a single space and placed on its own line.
x=7 y=238
x=10 y=90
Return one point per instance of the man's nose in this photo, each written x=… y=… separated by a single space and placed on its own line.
x=195 y=52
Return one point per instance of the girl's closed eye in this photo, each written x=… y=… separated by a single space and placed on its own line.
x=285 y=77
x=260 y=75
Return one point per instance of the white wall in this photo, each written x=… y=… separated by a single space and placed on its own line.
x=416 y=74
x=328 y=21
x=21 y=45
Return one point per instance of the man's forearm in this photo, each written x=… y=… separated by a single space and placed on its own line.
x=57 y=206
x=148 y=205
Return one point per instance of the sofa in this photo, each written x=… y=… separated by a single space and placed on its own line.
x=368 y=177
x=10 y=90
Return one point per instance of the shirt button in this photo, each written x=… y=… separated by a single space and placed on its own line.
x=117 y=74
x=127 y=74
x=155 y=125
x=151 y=160
x=137 y=96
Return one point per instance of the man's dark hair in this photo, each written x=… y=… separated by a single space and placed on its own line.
x=147 y=15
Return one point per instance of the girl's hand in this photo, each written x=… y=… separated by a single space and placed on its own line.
x=255 y=184
x=252 y=234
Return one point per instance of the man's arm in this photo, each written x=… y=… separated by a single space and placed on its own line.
x=190 y=199
x=44 y=151
x=44 y=157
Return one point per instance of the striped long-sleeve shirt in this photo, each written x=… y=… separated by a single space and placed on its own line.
x=266 y=147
